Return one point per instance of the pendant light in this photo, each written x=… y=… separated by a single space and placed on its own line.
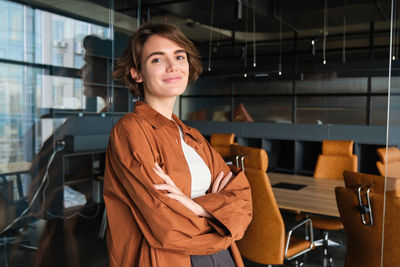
x=245 y=41
x=211 y=35
x=280 y=40
x=396 y=31
x=325 y=33
x=254 y=35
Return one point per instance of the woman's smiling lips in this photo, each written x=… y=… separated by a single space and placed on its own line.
x=172 y=79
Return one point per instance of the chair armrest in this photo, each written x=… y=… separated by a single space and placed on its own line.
x=310 y=229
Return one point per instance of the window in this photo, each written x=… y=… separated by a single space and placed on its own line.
x=58 y=30
x=58 y=59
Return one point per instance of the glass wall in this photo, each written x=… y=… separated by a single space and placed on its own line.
x=55 y=88
x=280 y=82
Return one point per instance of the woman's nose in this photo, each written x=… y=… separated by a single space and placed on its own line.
x=171 y=65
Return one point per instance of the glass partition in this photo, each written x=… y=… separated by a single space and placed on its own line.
x=281 y=80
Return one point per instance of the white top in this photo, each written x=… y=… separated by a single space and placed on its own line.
x=199 y=171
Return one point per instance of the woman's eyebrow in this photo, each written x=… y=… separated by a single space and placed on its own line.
x=159 y=53
x=155 y=53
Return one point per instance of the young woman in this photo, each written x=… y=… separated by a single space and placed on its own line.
x=171 y=200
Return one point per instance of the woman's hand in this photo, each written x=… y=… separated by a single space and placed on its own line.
x=175 y=193
x=220 y=182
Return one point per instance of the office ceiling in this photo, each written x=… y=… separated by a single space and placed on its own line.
x=277 y=23
x=306 y=18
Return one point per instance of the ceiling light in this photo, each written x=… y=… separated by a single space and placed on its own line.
x=239 y=9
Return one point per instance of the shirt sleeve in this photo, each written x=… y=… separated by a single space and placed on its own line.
x=232 y=207
x=164 y=222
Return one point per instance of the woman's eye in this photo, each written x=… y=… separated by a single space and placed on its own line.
x=180 y=57
x=156 y=60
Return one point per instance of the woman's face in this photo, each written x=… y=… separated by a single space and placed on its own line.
x=164 y=68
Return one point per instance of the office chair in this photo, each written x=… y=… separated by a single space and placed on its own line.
x=221 y=142
x=10 y=209
x=337 y=156
x=393 y=161
x=265 y=240
x=361 y=205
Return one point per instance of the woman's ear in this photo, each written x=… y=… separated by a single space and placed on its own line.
x=136 y=75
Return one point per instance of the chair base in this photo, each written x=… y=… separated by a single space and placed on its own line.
x=325 y=243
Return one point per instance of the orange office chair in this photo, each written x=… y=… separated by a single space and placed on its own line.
x=360 y=205
x=393 y=161
x=265 y=241
x=337 y=156
x=221 y=143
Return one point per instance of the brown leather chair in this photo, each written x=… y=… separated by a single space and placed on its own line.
x=337 y=156
x=221 y=143
x=363 y=231
x=393 y=161
x=265 y=240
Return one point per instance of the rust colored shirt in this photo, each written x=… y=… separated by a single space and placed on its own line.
x=147 y=228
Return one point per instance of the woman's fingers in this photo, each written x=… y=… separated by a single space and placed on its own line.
x=168 y=187
x=225 y=181
x=217 y=182
x=162 y=174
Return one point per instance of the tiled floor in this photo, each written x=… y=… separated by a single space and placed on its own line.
x=82 y=247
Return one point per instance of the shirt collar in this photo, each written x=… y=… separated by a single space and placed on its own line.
x=157 y=120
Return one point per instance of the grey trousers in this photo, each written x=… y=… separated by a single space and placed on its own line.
x=220 y=259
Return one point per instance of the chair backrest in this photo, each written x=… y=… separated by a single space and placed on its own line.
x=264 y=240
x=364 y=242
x=337 y=156
x=221 y=142
x=393 y=161
x=7 y=210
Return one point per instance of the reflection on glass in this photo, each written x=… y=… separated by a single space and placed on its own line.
x=332 y=110
x=327 y=83
x=380 y=84
x=263 y=87
x=267 y=109
x=47 y=39
x=205 y=108
x=209 y=86
x=60 y=93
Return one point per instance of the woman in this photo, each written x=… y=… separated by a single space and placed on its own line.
x=171 y=200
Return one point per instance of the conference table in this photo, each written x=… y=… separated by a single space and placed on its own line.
x=306 y=194
x=14 y=167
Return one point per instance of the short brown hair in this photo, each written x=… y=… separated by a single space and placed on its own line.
x=132 y=54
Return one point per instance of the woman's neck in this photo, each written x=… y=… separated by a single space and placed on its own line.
x=163 y=106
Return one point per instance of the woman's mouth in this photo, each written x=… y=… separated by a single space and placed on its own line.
x=172 y=79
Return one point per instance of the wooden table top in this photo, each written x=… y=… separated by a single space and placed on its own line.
x=318 y=196
x=14 y=167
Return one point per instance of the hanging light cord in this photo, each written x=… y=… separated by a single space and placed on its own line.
x=325 y=33
x=280 y=40
x=245 y=37
x=211 y=35
x=396 y=32
x=254 y=35
x=344 y=40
